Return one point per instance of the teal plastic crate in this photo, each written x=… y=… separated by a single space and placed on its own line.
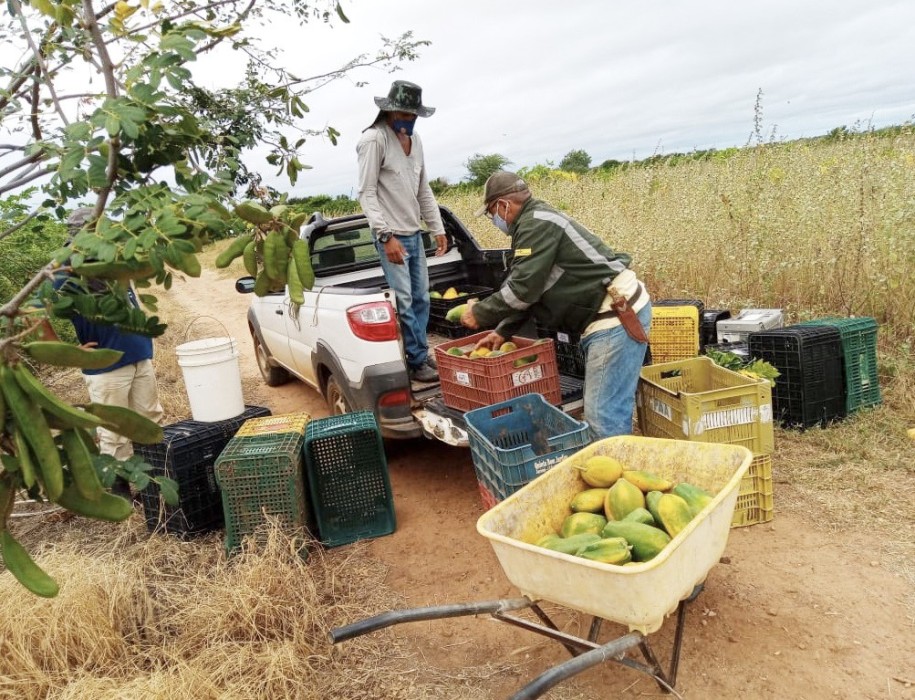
x=258 y=477
x=348 y=481
x=515 y=441
x=859 y=357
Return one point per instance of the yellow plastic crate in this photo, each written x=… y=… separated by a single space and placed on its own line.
x=674 y=333
x=643 y=594
x=282 y=423
x=697 y=400
x=754 y=501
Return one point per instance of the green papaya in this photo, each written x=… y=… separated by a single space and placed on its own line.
x=570 y=545
x=454 y=313
x=647 y=541
x=696 y=498
x=577 y=523
x=608 y=550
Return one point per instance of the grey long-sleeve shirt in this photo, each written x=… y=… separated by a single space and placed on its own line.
x=393 y=188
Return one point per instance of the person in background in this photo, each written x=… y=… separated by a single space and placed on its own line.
x=568 y=280
x=130 y=382
x=395 y=195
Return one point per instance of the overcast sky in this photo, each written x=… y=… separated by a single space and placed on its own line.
x=533 y=80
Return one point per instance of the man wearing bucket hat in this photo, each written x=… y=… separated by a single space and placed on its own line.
x=567 y=279
x=129 y=382
x=395 y=195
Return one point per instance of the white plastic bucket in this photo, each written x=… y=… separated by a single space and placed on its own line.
x=212 y=378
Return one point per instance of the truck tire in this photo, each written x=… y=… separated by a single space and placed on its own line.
x=273 y=376
x=336 y=400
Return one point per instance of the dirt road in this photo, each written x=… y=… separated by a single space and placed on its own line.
x=792 y=611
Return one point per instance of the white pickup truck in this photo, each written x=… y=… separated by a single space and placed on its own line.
x=345 y=341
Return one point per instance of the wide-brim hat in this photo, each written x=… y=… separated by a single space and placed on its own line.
x=404 y=97
x=499 y=184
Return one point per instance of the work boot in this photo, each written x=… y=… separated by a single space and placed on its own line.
x=424 y=373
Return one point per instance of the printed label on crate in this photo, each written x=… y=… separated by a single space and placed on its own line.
x=463 y=378
x=724 y=419
x=542 y=465
x=527 y=375
x=765 y=413
x=563 y=337
x=661 y=408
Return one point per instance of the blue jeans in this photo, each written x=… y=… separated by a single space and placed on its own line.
x=613 y=362
x=410 y=283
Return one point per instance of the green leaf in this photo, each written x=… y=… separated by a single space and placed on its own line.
x=343 y=17
x=169 y=490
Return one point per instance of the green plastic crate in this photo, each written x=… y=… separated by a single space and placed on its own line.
x=348 y=481
x=259 y=477
x=859 y=351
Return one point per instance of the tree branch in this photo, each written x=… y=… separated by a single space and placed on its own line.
x=39 y=59
x=23 y=180
x=12 y=229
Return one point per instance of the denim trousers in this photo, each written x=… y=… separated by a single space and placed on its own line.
x=613 y=362
x=410 y=283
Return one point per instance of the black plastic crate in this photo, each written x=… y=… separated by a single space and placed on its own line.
x=448 y=329
x=810 y=389
x=187 y=454
x=708 y=325
x=698 y=303
x=348 y=481
x=570 y=358
x=438 y=308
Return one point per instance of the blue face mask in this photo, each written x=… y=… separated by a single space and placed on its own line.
x=500 y=223
x=405 y=124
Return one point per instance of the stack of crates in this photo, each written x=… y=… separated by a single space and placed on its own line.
x=697 y=400
x=674 y=333
x=859 y=356
x=515 y=441
x=809 y=390
x=439 y=308
x=260 y=474
x=738 y=329
x=186 y=455
x=348 y=481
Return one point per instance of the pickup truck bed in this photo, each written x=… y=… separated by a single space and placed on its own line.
x=344 y=341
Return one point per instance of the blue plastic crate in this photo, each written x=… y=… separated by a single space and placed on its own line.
x=348 y=480
x=515 y=441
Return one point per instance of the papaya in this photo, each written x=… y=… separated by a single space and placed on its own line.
x=651 y=503
x=435 y=295
x=508 y=346
x=450 y=293
x=568 y=545
x=647 y=541
x=578 y=523
x=696 y=497
x=479 y=352
x=456 y=352
x=641 y=515
x=588 y=501
x=609 y=550
x=675 y=513
x=600 y=471
x=622 y=498
x=455 y=312
x=495 y=353
x=647 y=481
x=521 y=361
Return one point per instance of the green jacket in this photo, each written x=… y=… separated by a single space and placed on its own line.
x=559 y=274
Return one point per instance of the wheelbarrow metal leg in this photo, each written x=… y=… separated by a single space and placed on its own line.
x=435 y=612
x=670 y=678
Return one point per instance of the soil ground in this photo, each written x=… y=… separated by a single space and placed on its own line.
x=792 y=611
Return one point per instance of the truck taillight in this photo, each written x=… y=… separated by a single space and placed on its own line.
x=375 y=321
x=400 y=397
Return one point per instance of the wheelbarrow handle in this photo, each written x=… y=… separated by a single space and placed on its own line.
x=435 y=612
x=582 y=662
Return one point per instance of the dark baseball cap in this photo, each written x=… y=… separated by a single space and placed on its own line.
x=499 y=184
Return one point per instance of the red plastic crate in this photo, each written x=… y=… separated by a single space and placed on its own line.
x=473 y=383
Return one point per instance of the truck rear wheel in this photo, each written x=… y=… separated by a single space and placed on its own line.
x=273 y=376
x=336 y=401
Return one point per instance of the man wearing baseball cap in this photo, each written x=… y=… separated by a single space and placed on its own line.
x=395 y=195
x=570 y=281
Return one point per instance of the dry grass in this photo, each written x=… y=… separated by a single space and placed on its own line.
x=158 y=618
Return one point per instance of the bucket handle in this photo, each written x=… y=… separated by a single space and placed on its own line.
x=188 y=329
